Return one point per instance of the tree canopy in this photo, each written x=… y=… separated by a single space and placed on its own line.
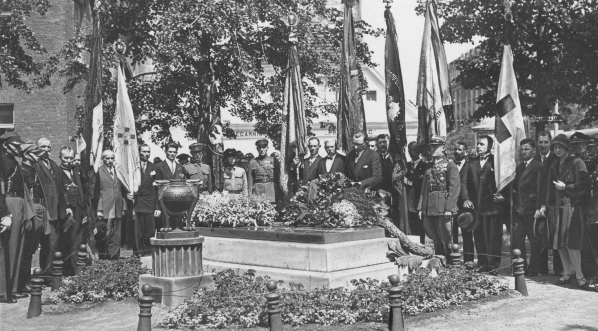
x=555 y=48
x=191 y=43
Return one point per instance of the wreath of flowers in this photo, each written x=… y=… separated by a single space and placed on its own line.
x=330 y=202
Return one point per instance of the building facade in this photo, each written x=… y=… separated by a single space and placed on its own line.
x=464 y=101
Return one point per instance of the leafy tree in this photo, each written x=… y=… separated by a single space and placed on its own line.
x=24 y=62
x=554 y=43
x=191 y=44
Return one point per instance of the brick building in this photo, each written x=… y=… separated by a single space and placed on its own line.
x=45 y=112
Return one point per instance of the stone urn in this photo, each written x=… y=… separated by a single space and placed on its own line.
x=177 y=197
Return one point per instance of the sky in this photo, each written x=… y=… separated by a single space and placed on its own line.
x=410 y=28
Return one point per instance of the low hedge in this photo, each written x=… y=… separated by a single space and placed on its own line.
x=103 y=280
x=238 y=300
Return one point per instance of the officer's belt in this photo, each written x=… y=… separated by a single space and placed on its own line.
x=437 y=188
x=235 y=191
x=263 y=180
x=39 y=201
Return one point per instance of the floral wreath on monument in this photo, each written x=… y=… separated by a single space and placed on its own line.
x=330 y=201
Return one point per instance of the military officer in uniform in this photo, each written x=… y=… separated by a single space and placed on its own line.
x=261 y=173
x=235 y=179
x=438 y=200
x=199 y=170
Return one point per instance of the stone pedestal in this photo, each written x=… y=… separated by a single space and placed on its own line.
x=315 y=258
x=177 y=267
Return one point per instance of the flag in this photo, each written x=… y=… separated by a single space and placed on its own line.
x=125 y=137
x=294 y=129
x=395 y=113
x=80 y=144
x=509 y=129
x=97 y=137
x=351 y=116
x=434 y=100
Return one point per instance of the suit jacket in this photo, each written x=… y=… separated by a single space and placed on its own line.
x=48 y=187
x=339 y=165
x=109 y=194
x=529 y=187
x=548 y=161
x=387 y=165
x=75 y=198
x=479 y=186
x=366 y=170
x=415 y=176
x=163 y=171
x=308 y=171
x=146 y=200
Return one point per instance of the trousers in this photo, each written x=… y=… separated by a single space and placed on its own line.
x=467 y=236
x=108 y=241
x=523 y=226
x=31 y=244
x=144 y=230
x=488 y=242
x=438 y=228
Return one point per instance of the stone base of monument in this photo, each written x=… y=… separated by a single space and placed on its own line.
x=177 y=267
x=313 y=257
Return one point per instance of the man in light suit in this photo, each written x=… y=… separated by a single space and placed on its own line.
x=146 y=203
x=110 y=206
x=546 y=157
x=333 y=162
x=530 y=193
x=309 y=165
x=364 y=168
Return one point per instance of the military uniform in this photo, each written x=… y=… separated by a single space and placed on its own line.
x=235 y=181
x=198 y=170
x=440 y=190
x=260 y=177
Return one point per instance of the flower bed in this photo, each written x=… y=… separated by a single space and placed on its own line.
x=330 y=202
x=239 y=300
x=104 y=280
x=231 y=210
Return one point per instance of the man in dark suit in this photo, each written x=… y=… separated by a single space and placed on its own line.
x=460 y=154
x=170 y=168
x=546 y=157
x=48 y=192
x=309 y=165
x=529 y=195
x=146 y=206
x=414 y=177
x=364 y=167
x=333 y=162
x=110 y=207
x=386 y=189
x=480 y=193
x=73 y=229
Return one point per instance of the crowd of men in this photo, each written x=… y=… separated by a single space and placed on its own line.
x=42 y=204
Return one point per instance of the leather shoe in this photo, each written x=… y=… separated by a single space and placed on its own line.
x=493 y=272
x=20 y=295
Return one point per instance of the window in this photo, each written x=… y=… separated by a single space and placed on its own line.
x=371 y=95
x=7 y=120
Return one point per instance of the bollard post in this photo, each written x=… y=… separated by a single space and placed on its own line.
x=81 y=259
x=273 y=301
x=57 y=271
x=455 y=256
x=145 y=309
x=395 y=317
x=35 y=301
x=519 y=273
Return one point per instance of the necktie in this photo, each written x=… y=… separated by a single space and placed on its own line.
x=543 y=159
x=142 y=168
x=172 y=167
x=111 y=172
x=458 y=163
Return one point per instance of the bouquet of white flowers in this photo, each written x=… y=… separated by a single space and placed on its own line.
x=232 y=210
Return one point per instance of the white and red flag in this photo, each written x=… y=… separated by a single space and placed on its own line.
x=509 y=129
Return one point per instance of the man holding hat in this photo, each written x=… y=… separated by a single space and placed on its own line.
x=263 y=170
x=480 y=185
x=438 y=201
x=467 y=219
x=529 y=194
x=198 y=170
x=235 y=179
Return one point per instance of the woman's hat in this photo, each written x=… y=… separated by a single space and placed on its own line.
x=562 y=140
